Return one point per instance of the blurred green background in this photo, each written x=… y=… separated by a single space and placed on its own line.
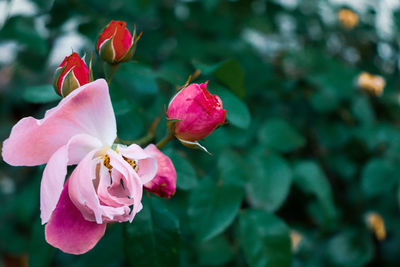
x=305 y=173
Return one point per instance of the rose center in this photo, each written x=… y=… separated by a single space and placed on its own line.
x=133 y=163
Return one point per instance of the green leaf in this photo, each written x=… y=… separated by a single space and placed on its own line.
x=350 y=248
x=40 y=94
x=264 y=239
x=232 y=168
x=378 y=177
x=270 y=183
x=213 y=207
x=237 y=112
x=22 y=29
x=138 y=76
x=186 y=177
x=108 y=252
x=309 y=177
x=277 y=134
x=231 y=74
x=215 y=252
x=153 y=239
x=363 y=111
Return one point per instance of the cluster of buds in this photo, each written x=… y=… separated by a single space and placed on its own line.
x=107 y=184
x=193 y=113
x=114 y=45
x=347 y=18
x=373 y=84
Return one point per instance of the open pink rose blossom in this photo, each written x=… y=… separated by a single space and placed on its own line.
x=199 y=113
x=164 y=184
x=107 y=184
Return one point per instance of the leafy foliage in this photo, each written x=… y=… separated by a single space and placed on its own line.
x=305 y=149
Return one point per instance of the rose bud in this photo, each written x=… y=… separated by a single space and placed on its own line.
x=164 y=183
x=193 y=113
x=116 y=44
x=71 y=74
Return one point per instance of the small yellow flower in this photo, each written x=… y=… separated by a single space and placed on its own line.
x=376 y=223
x=348 y=18
x=370 y=83
x=295 y=238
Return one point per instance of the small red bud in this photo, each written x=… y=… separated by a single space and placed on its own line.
x=115 y=43
x=71 y=74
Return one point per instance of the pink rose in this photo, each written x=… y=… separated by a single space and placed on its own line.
x=71 y=74
x=199 y=113
x=164 y=183
x=107 y=184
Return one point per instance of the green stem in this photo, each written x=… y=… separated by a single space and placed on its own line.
x=110 y=70
x=143 y=140
x=165 y=140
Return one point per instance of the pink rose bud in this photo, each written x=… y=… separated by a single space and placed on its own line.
x=71 y=74
x=116 y=44
x=164 y=183
x=195 y=113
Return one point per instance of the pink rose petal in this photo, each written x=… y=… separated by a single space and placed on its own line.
x=69 y=231
x=87 y=110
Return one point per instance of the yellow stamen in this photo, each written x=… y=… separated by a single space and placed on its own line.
x=132 y=162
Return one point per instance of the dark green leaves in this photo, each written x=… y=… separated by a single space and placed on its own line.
x=213 y=207
x=40 y=94
x=230 y=74
x=279 y=135
x=186 y=177
x=153 y=238
x=350 y=248
x=215 y=252
x=237 y=112
x=269 y=182
x=309 y=177
x=264 y=239
x=378 y=177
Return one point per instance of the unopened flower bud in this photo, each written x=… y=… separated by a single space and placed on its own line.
x=116 y=44
x=164 y=183
x=71 y=74
x=194 y=113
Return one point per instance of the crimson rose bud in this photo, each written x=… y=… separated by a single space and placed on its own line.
x=164 y=183
x=195 y=112
x=71 y=74
x=115 y=43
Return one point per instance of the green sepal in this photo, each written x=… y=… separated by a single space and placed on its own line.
x=69 y=84
x=107 y=51
x=57 y=75
x=91 y=67
x=171 y=124
x=132 y=49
